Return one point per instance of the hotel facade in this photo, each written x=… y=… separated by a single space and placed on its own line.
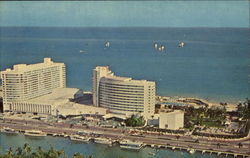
x=122 y=95
x=25 y=82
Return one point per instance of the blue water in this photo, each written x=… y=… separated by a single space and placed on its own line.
x=213 y=65
x=97 y=150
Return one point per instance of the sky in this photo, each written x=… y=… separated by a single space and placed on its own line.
x=125 y=13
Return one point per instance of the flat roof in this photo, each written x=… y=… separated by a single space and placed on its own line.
x=171 y=112
x=110 y=115
x=57 y=95
x=19 y=68
x=118 y=78
x=125 y=79
x=79 y=109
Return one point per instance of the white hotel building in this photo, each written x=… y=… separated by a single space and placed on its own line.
x=123 y=95
x=25 y=82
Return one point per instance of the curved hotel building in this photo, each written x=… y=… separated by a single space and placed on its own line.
x=123 y=95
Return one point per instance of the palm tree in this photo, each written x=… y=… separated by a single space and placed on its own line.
x=26 y=148
x=52 y=153
x=61 y=153
x=19 y=151
x=10 y=153
x=40 y=151
x=77 y=155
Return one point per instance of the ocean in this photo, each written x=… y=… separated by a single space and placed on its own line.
x=213 y=65
x=97 y=150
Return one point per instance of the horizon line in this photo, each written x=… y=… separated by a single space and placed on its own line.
x=181 y=27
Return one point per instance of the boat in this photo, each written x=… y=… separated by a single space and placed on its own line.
x=65 y=135
x=107 y=44
x=54 y=135
x=35 y=133
x=103 y=141
x=156 y=45
x=79 y=138
x=161 y=48
x=83 y=51
x=127 y=144
x=203 y=151
x=181 y=44
x=151 y=153
x=191 y=151
x=8 y=130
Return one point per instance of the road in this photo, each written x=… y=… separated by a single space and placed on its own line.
x=186 y=141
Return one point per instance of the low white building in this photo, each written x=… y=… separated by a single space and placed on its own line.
x=47 y=104
x=171 y=120
x=58 y=103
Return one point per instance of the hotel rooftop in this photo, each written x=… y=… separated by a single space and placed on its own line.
x=30 y=67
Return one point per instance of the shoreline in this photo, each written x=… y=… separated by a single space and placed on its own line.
x=180 y=99
x=211 y=100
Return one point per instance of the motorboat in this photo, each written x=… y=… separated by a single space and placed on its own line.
x=35 y=133
x=181 y=44
x=161 y=48
x=8 y=130
x=156 y=46
x=107 y=44
x=191 y=151
x=83 y=51
x=103 y=141
x=127 y=144
x=79 y=138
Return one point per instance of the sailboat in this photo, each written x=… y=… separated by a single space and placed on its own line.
x=181 y=44
x=107 y=44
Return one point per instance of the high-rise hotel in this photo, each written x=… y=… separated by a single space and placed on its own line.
x=25 y=82
x=123 y=95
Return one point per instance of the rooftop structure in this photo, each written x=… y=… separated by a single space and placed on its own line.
x=122 y=95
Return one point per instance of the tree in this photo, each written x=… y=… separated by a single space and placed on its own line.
x=26 y=149
x=39 y=152
x=19 y=151
x=77 y=155
x=246 y=111
x=243 y=109
x=25 y=152
x=9 y=153
x=135 y=121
